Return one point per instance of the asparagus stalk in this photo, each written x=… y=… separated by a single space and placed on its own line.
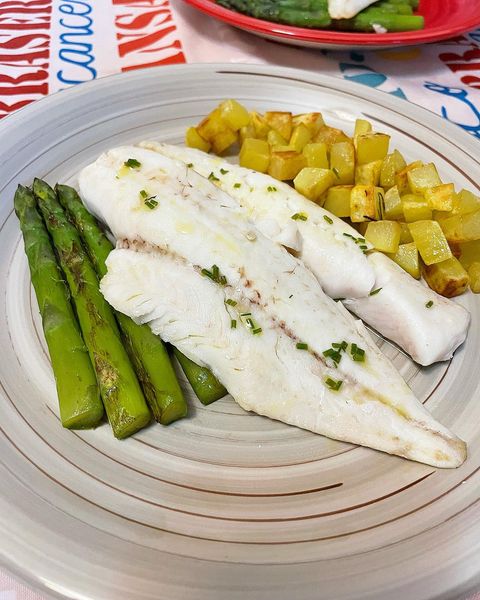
x=121 y=394
x=205 y=385
x=78 y=395
x=302 y=13
x=364 y=21
x=147 y=352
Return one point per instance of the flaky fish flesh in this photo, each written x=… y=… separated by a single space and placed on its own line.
x=192 y=265
x=346 y=9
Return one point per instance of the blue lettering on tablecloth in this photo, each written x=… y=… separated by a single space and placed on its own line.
x=461 y=95
x=75 y=51
x=362 y=73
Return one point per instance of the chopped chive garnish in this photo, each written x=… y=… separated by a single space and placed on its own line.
x=271 y=188
x=233 y=324
x=132 y=163
x=143 y=194
x=429 y=304
x=334 y=385
x=249 y=323
x=349 y=236
x=341 y=346
x=231 y=302
x=237 y=185
x=190 y=165
x=224 y=171
x=328 y=219
x=302 y=346
x=333 y=354
x=215 y=275
x=336 y=172
x=150 y=202
x=358 y=354
x=360 y=240
x=299 y=216
x=363 y=247
x=246 y=314
x=375 y=292
x=291 y=296
x=257 y=331
x=213 y=177
x=339 y=299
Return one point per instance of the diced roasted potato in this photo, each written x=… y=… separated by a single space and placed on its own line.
x=384 y=235
x=422 y=178
x=407 y=257
x=393 y=208
x=405 y=236
x=234 y=114
x=400 y=162
x=330 y=135
x=223 y=140
x=474 y=275
x=338 y=200
x=313 y=121
x=194 y=140
x=440 y=197
x=415 y=208
x=281 y=121
x=212 y=125
x=447 y=278
x=462 y=228
x=285 y=165
x=430 y=241
x=401 y=179
x=465 y=202
x=371 y=147
x=388 y=172
x=246 y=132
x=260 y=125
x=316 y=155
x=469 y=252
x=255 y=154
x=313 y=182
x=362 y=126
x=369 y=173
x=342 y=162
x=275 y=139
x=300 y=137
x=365 y=203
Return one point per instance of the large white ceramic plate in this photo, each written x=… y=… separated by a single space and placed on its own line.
x=223 y=505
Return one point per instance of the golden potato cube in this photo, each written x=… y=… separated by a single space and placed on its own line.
x=342 y=162
x=393 y=207
x=474 y=275
x=246 y=132
x=407 y=257
x=462 y=228
x=447 y=278
x=286 y=165
x=369 y=173
x=400 y=162
x=313 y=121
x=388 y=172
x=401 y=179
x=371 y=147
x=260 y=125
x=384 y=235
x=300 y=137
x=194 y=140
x=223 y=140
x=212 y=125
x=440 y=197
x=422 y=178
x=405 y=236
x=365 y=203
x=469 y=253
x=362 y=126
x=338 y=200
x=330 y=135
x=465 y=202
x=316 y=155
x=430 y=241
x=281 y=121
x=275 y=139
x=234 y=114
x=313 y=183
x=255 y=154
x=415 y=208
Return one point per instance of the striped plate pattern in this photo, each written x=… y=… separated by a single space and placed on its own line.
x=224 y=504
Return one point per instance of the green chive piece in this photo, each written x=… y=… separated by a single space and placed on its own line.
x=375 y=292
x=328 y=219
x=233 y=324
x=349 y=236
x=237 y=185
x=333 y=354
x=358 y=354
x=231 y=302
x=132 y=163
x=215 y=275
x=213 y=177
x=429 y=304
x=299 y=216
x=190 y=165
x=336 y=172
x=224 y=171
x=334 y=385
x=151 y=202
x=143 y=194
x=271 y=188
x=257 y=331
x=340 y=346
x=302 y=346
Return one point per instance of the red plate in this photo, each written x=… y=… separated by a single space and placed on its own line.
x=443 y=19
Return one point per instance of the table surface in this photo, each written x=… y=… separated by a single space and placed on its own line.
x=130 y=34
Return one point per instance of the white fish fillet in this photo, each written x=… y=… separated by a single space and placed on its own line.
x=346 y=9
x=155 y=277
x=398 y=312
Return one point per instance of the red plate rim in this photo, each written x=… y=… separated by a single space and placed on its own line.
x=269 y=28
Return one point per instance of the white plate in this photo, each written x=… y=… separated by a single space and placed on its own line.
x=222 y=505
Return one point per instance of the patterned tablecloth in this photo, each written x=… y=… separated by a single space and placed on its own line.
x=48 y=45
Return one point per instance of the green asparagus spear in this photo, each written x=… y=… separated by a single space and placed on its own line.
x=121 y=394
x=147 y=352
x=364 y=21
x=301 y=13
x=78 y=396
x=205 y=385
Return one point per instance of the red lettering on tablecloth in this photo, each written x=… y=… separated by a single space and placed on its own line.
x=24 y=52
x=146 y=33
x=471 y=80
x=464 y=61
